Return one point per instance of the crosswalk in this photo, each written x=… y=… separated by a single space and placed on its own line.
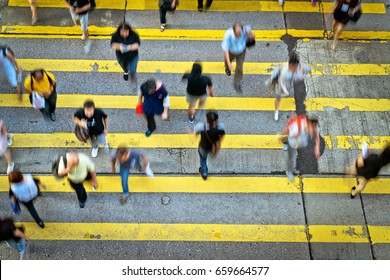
x=247 y=199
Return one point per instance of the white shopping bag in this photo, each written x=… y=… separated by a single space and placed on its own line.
x=38 y=102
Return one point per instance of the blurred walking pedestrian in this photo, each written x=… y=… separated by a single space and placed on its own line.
x=10 y=67
x=344 y=11
x=296 y=134
x=129 y=158
x=367 y=167
x=24 y=188
x=5 y=141
x=211 y=136
x=79 y=12
x=34 y=12
x=41 y=86
x=126 y=43
x=14 y=236
x=154 y=99
x=164 y=6
x=287 y=74
x=96 y=121
x=234 y=45
x=200 y=5
x=197 y=89
x=79 y=168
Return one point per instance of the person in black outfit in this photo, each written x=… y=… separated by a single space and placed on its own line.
x=367 y=168
x=164 y=6
x=13 y=236
x=197 y=89
x=200 y=5
x=210 y=134
x=126 y=43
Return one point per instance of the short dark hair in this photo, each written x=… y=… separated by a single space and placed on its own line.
x=89 y=104
x=36 y=71
x=121 y=151
x=211 y=117
x=313 y=120
x=293 y=58
x=16 y=176
x=150 y=85
x=123 y=26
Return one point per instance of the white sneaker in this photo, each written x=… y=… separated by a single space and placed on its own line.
x=290 y=175
x=149 y=172
x=83 y=37
x=106 y=149
x=276 y=116
x=10 y=168
x=9 y=140
x=94 y=152
x=87 y=47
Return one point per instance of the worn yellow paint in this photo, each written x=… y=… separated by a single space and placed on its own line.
x=218 y=6
x=338 y=233
x=219 y=103
x=379 y=234
x=177 y=141
x=174 y=184
x=104 y=33
x=344 y=185
x=179 y=67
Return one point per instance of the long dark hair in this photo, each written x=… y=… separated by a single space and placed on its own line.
x=196 y=71
x=123 y=26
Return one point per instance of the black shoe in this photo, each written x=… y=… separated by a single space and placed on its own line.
x=228 y=72
x=41 y=224
x=53 y=117
x=200 y=173
x=148 y=133
x=238 y=88
x=126 y=76
x=200 y=10
x=81 y=204
x=352 y=196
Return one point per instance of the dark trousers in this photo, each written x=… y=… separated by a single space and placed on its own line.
x=163 y=12
x=50 y=103
x=80 y=190
x=30 y=207
x=151 y=122
x=208 y=4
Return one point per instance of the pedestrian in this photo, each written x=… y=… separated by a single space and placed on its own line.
x=154 y=99
x=211 y=136
x=197 y=89
x=367 y=167
x=234 y=47
x=288 y=74
x=96 y=121
x=129 y=158
x=164 y=6
x=126 y=43
x=14 y=236
x=41 y=84
x=10 y=67
x=200 y=5
x=344 y=11
x=34 y=12
x=5 y=141
x=296 y=134
x=79 y=168
x=24 y=188
x=79 y=12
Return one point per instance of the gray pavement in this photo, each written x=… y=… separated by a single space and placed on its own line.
x=278 y=209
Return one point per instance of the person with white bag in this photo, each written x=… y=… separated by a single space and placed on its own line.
x=41 y=86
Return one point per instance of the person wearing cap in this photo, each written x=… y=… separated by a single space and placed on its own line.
x=79 y=168
x=211 y=133
x=129 y=158
x=296 y=134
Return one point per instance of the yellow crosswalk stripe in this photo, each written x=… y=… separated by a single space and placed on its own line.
x=208 y=232
x=221 y=6
x=215 y=184
x=179 y=67
x=104 y=33
x=178 y=141
x=219 y=103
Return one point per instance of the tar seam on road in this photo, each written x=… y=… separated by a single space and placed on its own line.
x=366 y=224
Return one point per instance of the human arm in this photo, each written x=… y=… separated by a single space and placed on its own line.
x=166 y=104
x=317 y=143
x=105 y=120
x=94 y=180
x=173 y=4
x=77 y=119
x=211 y=90
x=83 y=9
x=227 y=59
x=18 y=233
x=72 y=159
x=68 y=5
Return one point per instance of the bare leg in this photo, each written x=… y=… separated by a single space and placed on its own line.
x=34 y=13
x=360 y=187
x=8 y=158
x=191 y=111
x=340 y=28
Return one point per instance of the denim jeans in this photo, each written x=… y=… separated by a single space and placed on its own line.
x=9 y=69
x=19 y=246
x=124 y=173
x=203 y=161
x=99 y=139
x=291 y=158
x=129 y=65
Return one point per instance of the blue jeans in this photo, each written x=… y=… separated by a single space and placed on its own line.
x=19 y=246
x=100 y=139
x=203 y=161
x=129 y=65
x=124 y=173
x=9 y=70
